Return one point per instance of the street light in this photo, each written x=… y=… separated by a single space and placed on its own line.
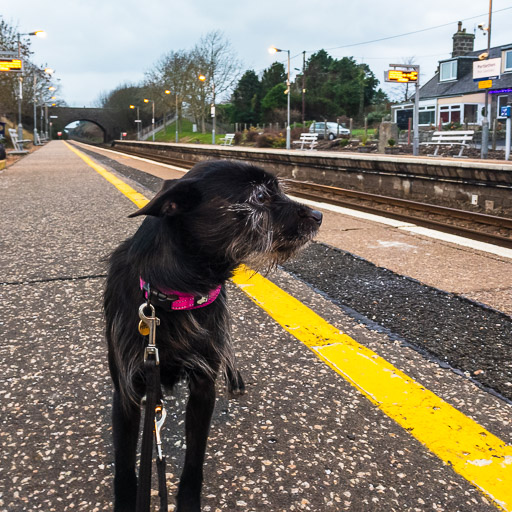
x=137 y=120
x=169 y=92
x=48 y=71
x=153 y=118
x=273 y=49
x=203 y=79
x=38 y=33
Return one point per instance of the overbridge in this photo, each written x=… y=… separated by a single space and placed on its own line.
x=109 y=120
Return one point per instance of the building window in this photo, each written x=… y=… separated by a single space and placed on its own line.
x=507 y=59
x=448 y=71
x=449 y=114
x=471 y=114
x=427 y=115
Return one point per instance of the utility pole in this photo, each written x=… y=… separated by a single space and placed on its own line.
x=485 y=120
x=304 y=88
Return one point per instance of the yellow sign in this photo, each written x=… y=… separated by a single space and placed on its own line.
x=10 y=65
x=485 y=84
x=398 y=75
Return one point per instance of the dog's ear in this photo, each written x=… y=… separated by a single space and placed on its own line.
x=175 y=197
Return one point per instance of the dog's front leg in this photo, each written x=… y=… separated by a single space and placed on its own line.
x=125 y=429
x=197 y=425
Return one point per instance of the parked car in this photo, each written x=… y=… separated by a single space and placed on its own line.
x=328 y=130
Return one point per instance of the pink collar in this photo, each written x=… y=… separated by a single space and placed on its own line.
x=178 y=301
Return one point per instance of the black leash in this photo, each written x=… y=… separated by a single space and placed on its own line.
x=154 y=417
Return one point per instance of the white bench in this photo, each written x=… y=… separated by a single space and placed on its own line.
x=228 y=139
x=17 y=143
x=307 y=141
x=451 y=138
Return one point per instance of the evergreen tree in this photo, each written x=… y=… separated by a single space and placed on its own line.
x=247 y=99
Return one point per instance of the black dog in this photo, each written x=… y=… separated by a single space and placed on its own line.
x=198 y=229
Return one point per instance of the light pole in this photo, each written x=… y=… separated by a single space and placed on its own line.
x=485 y=120
x=167 y=91
x=137 y=120
x=273 y=49
x=153 y=118
x=49 y=72
x=203 y=78
x=39 y=33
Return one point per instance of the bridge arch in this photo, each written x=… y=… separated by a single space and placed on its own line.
x=109 y=120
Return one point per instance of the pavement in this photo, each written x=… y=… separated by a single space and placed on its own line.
x=302 y=438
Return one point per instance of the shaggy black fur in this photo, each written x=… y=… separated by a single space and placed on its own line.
x=197 y=230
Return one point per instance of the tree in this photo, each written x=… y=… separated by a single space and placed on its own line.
x=337 y=87
x=275 y=74
x=173 y=72
x=35 y=83
x=246 y=99
x=213 y=58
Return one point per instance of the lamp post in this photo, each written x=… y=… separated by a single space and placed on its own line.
x=485 y=120
x=137 y=120
x=177 y=134
x=153 y=118
x=203 y=78
x=39 y=33
x=49 y=71
x=273 y=49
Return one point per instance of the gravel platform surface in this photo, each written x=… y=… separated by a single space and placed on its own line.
x=302 y=438
x=461 y=333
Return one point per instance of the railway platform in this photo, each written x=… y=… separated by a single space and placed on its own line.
x=377 y=363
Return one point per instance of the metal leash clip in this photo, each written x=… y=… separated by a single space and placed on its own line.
x=159 y=421
x=147 y=327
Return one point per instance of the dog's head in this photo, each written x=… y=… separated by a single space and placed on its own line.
x=233 y=211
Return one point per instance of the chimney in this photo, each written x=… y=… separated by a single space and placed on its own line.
x=462 y=42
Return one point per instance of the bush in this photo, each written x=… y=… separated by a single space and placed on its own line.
x=391 y=142
x=251 y=134
x=270 y=140
x=238 y=138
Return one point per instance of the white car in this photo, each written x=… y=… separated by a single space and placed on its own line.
x=328 y=130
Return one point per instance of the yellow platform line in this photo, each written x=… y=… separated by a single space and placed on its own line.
x=473 y=452
x=128 y=191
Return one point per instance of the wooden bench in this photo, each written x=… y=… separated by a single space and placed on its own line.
x=228 y=139
x=17 y=143
x=451 y=138
x=307 y=141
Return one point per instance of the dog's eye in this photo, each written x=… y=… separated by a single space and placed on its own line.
x=261 y=197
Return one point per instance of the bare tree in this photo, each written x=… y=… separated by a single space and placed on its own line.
x=214 y=58
x=179 y=72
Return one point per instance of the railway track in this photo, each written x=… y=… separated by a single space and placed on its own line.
x=478 y=226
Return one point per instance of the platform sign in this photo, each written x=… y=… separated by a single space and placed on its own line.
x=485 y=84
x=12 y=64
x=486 y=69
x=400 y=76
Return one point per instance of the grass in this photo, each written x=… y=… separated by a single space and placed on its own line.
x=185 y=134
x=358 y=132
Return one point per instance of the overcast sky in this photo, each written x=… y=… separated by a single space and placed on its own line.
x=96 y=45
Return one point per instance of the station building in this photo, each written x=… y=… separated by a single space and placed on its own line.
x=452 y=96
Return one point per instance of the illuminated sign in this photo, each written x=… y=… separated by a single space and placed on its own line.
x=401 y=76
x=13 y=64
x=485 y=84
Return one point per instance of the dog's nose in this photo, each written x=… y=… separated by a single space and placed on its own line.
x=317 y=216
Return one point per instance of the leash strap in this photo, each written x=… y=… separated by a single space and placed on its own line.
x=152 y=424
x=146 y=453
x=162 y=485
